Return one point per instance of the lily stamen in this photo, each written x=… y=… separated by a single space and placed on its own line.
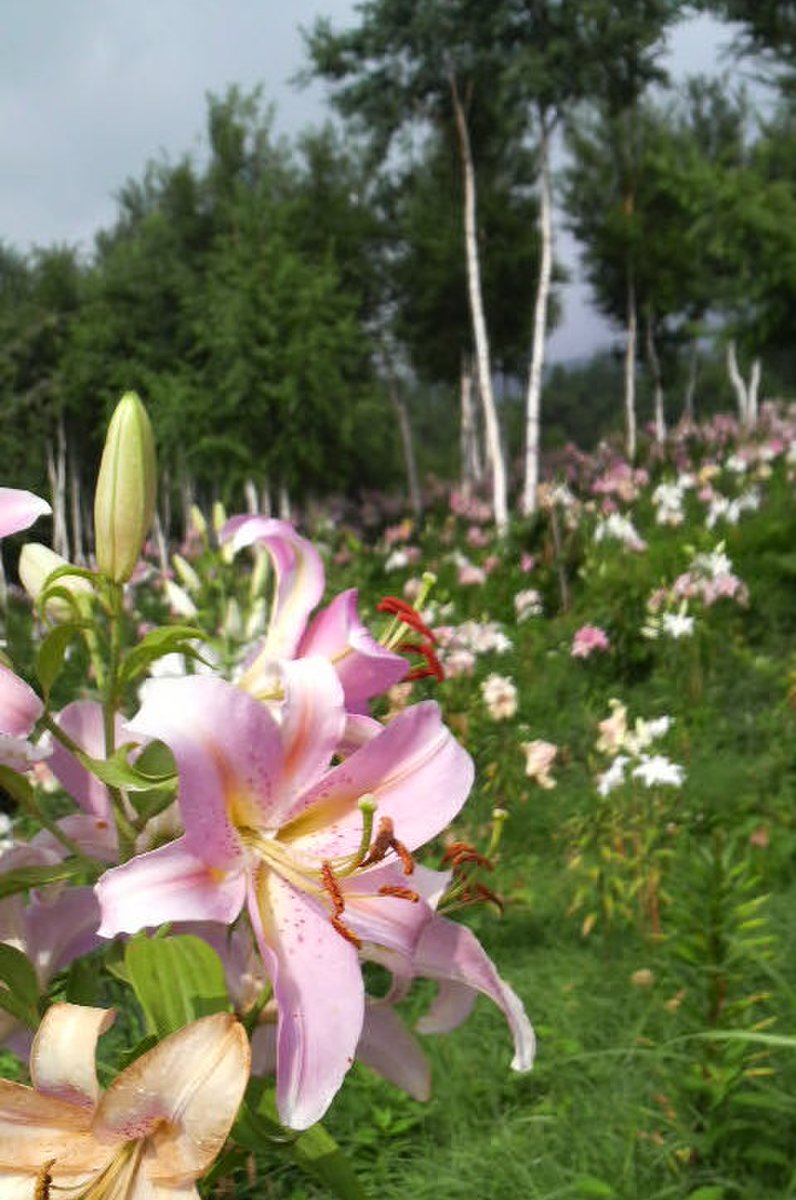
x=401 y=893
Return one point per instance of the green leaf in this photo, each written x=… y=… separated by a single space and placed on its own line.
x=19 y=977
x=172 y=639
x=118 y=772
x=25 y=878
x=707 y=1193
x=51 y=655
x=82 y=982
x=315 y=1151
x=176 y=979
x=590 y=1185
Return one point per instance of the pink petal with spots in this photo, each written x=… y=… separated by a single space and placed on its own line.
x=415 y=770
x=313 y=723
x=228 y=751
x=167 y=884
x=318 y=988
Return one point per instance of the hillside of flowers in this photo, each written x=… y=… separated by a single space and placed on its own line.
x=314 y=829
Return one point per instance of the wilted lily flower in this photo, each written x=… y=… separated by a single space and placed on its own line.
x=153 y=1133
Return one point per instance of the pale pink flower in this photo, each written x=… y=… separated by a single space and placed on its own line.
x=587 y=639
x=469 y=575
x=500 y=696
x=539 y=758
x=527 y=562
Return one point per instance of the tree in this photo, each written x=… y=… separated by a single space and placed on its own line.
x=413 y=61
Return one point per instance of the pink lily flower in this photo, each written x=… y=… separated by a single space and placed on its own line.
x=20 y=709
x=365 y=667
x=269 y=824
x=19 y=509
x=94 y=827
x=58 y=925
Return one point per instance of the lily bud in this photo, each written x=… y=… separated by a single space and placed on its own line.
x=124 y=502
x=188 y=577
x=36 y=565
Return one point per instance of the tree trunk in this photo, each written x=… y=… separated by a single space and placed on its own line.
x=738 y=385
x=657 y=382
x=690 y=384
x=76 y=508
x=471 y=466
x=56 y=471
x=187 y=501
x=752 y=393
x=480 y=338
x=533 y=397
x=407 y=442
x=252 y=499
x=284 y=503
x=630 y=370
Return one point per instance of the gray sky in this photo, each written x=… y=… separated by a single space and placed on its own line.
x=90 y=90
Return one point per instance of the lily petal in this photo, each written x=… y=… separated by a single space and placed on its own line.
x=184 y=1094
x=365 y=667
x=35 y=1129
x=415 y=769
x=391 y=922
x=19 y=509
x=83 y=721
x=228 y=751
x=63 y=1054
x=449 y=951
x=167 y=884
x=299 y=584
x=20 y=707
x=318 y=988
x=312 y=726
x=387 y=1046
x=61 y=928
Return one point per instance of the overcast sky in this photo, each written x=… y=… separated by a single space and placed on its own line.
x=90 y=90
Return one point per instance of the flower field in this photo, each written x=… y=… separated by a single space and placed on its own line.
x=376 y=789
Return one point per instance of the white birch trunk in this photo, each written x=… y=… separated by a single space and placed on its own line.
x=738 y=384
x=407 y=442
x=56 y=472
x=480 y=338
x=657 y=382
x=752 y=394
x=187 y=500
x=691 y=382
x=76 y=510
x=631 y=438
x=533 y=397
x=284 y=503
x=472 y=470
x=252 y=499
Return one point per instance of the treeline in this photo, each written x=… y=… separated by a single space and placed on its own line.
x=294 y=313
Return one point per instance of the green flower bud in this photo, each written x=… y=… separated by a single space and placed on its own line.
x=124 y=502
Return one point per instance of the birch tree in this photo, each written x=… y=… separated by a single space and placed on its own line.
x=417 y=63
